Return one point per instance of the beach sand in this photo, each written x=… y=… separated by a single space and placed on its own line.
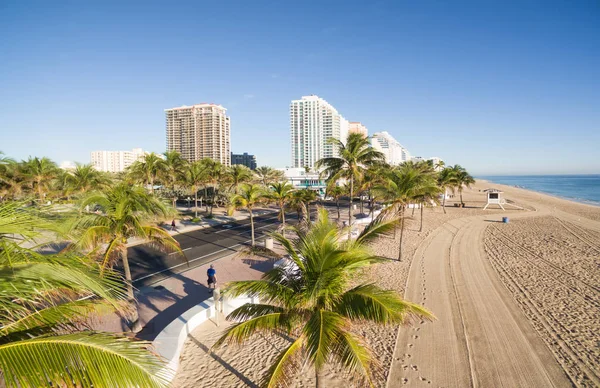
x=516 y=304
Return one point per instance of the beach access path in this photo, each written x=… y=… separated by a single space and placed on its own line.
x=480 y=338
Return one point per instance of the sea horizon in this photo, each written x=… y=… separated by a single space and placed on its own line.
x=582 y=188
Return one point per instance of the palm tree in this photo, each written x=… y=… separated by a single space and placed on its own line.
x=463 y=178
x=281 y=194
x=44 y=300
x=124 y=214
x=401 y=187
x=85 y=178
x=315 y=300
x=355 y=156
x=238 y=174
x=196 y=175
x=268 y=175
x=250 y=196
x=300 y=201
x=336 y=192
x=148 y=169
x=215 y=175
x=40 y=173
x=173 y=172
x=426 y=193
x=447 y=180
x=11 y=178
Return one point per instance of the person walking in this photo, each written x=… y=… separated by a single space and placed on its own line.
x=173 y=226
x=212 y=278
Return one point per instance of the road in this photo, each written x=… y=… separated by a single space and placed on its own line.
x=201 y=246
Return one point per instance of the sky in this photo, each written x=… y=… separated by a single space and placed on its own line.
x=500 y=87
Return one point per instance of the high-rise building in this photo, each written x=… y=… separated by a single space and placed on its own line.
x=313 y=121
x=394 y=152
x=357 y=127
x=244 y=159
x=199 y=131
x=115 y=161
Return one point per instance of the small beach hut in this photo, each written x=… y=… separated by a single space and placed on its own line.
x=494 y=197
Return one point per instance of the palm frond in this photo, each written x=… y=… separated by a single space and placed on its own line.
x=356 y=358
x=285 y=367
x=320 y=332
x=368 y=302
x=240 y=332
x=83 y=359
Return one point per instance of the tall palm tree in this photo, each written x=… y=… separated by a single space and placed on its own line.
x=44 y=300
x=40 y=173
x=248 y=198
x=125 y=212
x=148 y=169
x=216 y=173
x=314 y=301
x=400 y=188
x=85 y=178
x=267 y=175
x=173 y=172
x=281 y=194
x=463 y=179
x=336 y=192
x=355 y=156
x=301 y=200
x=196 y=175
x=447 y=181
x=238 y=174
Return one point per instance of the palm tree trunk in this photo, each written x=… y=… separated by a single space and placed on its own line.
x=195 y=202
x=206 y=197
x=461 y=200
x=251 y=224
x=152 y=185
x=337 y=203
x=350 y=208
x=401 y=232
x=444 y=200
x=316 y=378
x=421 y=226
x=135 y=319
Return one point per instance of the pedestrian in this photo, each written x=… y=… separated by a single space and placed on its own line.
x=173 y=226
x=212 y=278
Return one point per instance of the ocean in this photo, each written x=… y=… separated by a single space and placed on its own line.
x=580 y=188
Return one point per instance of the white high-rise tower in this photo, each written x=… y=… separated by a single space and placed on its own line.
x=313 y=121
x=394 y=152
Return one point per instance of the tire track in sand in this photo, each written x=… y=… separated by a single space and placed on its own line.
x=481 y=338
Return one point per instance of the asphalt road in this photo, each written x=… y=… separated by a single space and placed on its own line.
x=149 y=265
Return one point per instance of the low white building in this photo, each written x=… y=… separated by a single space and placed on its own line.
x=115 y=161
x=301 y=179
x=394 y=152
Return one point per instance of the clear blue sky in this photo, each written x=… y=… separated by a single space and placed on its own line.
x=497 y=86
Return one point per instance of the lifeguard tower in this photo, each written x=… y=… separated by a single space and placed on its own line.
x=494 y=198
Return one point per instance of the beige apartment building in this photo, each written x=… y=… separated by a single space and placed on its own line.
x=199 y=131
x=357 y=127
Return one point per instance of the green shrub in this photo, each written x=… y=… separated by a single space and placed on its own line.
x=196 y=219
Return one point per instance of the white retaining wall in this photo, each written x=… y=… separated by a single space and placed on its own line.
x=169 y=342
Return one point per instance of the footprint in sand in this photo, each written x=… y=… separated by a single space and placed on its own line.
x=405 y=367
x=414 y=367
x=415 y=336
x=407 y=355
x=404 y=381
x=410 y=345
x=417 y=328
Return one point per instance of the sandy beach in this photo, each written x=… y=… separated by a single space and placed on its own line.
x=517 y=304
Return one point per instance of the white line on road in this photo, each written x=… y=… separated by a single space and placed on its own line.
x=197 y=258
x=240 y=226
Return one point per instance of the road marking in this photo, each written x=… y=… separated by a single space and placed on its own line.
x=240 y=226
x=197 y=258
